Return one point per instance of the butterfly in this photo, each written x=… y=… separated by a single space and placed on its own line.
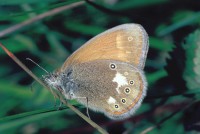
x=106 y=73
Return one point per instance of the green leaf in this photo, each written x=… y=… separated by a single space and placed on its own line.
x=122 y=5
x=18 y=43
x=160 y=44
x=84 y=29
x=14 y=90
x=12 y=122
x=186 y=20
x=192 y=68
x=153 y=77
x=18 y=2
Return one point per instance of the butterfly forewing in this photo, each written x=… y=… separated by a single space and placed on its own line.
x=127 y=43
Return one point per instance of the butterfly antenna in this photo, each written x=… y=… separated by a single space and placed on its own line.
x=37 y=65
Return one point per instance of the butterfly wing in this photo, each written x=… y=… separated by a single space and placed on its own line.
x=129 y=93
x=117 y=91
x=127 y=43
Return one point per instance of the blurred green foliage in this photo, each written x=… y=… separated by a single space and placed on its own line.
x=192 y=68
x=172 y=66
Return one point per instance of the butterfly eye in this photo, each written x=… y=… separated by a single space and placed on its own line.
x=116 y=106
x=71 y=94
x=131 y=82
x=69 y=73
x=113 y=66
x=127 y=90
x=123 y=100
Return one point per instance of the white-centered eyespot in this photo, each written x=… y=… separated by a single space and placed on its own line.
x=123 y=100
x=131 y=82
x=113 y=66
x=116 y=106
x=127 y=90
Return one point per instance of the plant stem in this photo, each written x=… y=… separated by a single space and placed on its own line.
x=12 y=56
x=25 y=23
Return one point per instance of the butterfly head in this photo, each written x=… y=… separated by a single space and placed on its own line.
x=52 y=80
x=63 y=82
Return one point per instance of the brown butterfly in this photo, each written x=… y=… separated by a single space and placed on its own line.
x=106 y=73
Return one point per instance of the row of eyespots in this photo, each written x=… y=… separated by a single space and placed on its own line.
x=131 y=82
x=113 y=66
x=123 y=101
x=127 y=91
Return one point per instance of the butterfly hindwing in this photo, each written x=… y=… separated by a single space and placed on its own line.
x=129 y=93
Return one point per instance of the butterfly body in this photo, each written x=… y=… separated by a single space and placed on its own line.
x=106 y=74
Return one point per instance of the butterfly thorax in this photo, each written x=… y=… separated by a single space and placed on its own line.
x=60 y=81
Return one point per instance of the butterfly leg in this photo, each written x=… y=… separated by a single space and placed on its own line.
x=87 y=109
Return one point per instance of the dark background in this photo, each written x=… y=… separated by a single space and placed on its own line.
x=172 y=102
